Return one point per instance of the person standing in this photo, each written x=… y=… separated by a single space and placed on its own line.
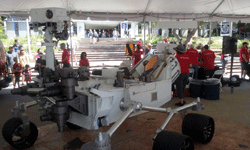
x=115 y=34
x=2 y=58
x=23 y=59
x=10 y=55
x=95 y=36
x=137 y=55
x=165 y=40
x=65 y=56
x=27 y=74
x=139 y=42
x=148 y=48
x=16 y=45
x=84 y=61
x=173 y=41
x=207 y=58
x=182 y=80
x=193 y=56
x=17 y=69
x=75 y=45
x=126 y=33
x=223 y=61
x=90 y=36
x=244 y=59
x=182 y=44
x=108 y=33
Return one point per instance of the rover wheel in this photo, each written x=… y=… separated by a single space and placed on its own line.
x=12 y=133
x=199 y=127
x=172 y=140
x=73 y=126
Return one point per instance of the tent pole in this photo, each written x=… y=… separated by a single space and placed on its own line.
x=149 y=32
x=210 y=31
x=144 y=34
x=28 y=34
x=71 y=41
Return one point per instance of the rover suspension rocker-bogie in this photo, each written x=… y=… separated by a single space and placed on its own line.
x=72 y=97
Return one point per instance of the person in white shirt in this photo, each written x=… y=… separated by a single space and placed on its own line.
x=115 y=34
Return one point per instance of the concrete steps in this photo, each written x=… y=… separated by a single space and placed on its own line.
x=103 y=39
x=110 y=54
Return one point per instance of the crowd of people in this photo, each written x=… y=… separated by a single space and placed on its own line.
x=190 y=58
x=17 y=62
x=95 y=34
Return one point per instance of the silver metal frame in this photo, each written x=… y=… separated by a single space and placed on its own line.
x=102 y=142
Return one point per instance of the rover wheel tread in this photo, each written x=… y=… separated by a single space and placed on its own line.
x=12 y=133
x=199 y=127
x=172 y=141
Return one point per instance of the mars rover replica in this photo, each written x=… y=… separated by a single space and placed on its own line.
x=71 y=97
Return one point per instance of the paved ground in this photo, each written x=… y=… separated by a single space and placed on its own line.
x=231 y=115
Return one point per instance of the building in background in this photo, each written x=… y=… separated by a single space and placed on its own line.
x=17 y=27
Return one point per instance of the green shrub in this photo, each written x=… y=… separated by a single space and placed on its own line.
x=194 y=41
x=171 y=35
x=3 y=36
x=155 y=39
x=240 y=42
x=146 y=42
x=239 y=37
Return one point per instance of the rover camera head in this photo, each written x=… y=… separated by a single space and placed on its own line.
x=49 y=14
x=53 y=18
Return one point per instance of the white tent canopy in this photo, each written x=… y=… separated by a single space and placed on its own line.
x=137 y=10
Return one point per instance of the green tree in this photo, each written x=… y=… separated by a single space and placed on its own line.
x=2 y=35
x=1 y=26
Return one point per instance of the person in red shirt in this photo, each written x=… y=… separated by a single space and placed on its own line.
x=182 y=80
x=84 y=61
x=207 y=58
x=165 y=40
x=244 y=59
x=137 y=54
x=139 y=42
x=108 y=33
x=27 y=74
x=193 y=56
x=17 y=69
x=65 y=56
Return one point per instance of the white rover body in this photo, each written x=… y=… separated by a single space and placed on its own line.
x=104 y=102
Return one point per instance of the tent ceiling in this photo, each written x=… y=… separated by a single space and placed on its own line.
x=135 y=10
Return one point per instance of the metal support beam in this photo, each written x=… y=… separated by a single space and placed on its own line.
x=28 y=34
x=156 y=109
x=195 y=106
x=70 y=36
x=217 y=7
x=210 y=32
x=149 y=1
x=144 y=35
x=118 y=123
x=149 y=32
